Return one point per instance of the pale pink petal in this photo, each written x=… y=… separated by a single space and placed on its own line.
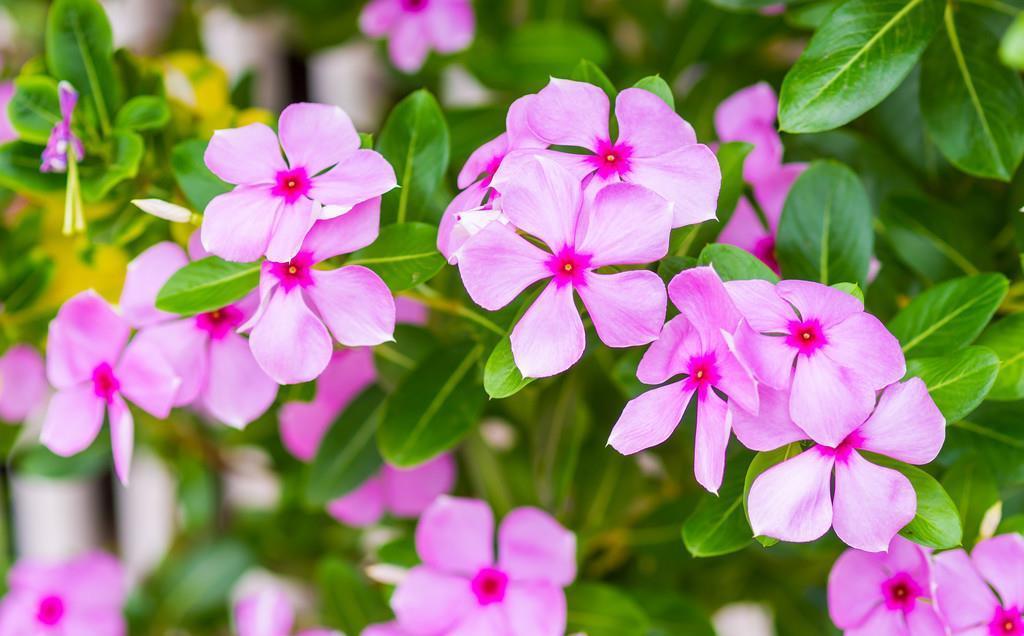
x=628 y=225
x=517 y=124
x=534 y=547
x=512 y=166
x=362 y=507
x=237 y=225
x=753 y=106
x=237 y=390
x=549 y=338
x=535 y=609
x=881 y=622
x=456 y=535
x=491 y=620
x=1000 y=560
x=855 y=587
x=496 y=265
x=407 y=45
x=863 y=344
x=360 y=176
x=627 y=309
x=872 y=503
x=355 y=304
x=450 y=24
x=483 y=160
x=344 y=234
x=378 y=17
x=926 y=621
x=450 y=236
x=146 y=274
x=699 y=294
x=760 y=305
x=816 y=301
x=772 y=189
x=196 y=251
x=316 y=136
x=184 y=347
x=736 y=381
x=714 y=421
x=411 y=312
x=744 y=229
x=772 y=427
x=266 y=613
x=94 y=579
x=289 y=342
x=147 y=379
x=768 y=357
x=688 y=177
x=790 y=501
x=649 y=125
x=73 y=420
x=122 y=437
x=86 y=333
x=410 y=491
x=649 y=420
x=544 y=201
x=303 y=424
x=670 y=353
x=828 y=401
x=22 y=382
x=906 y=424
x=570 y=113
x=960 y=593
x=294 y=221
x=384 y=629
x=246 y=155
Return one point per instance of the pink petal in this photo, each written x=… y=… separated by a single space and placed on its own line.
x=688 y=177
x=450 y=235
x=906 y=424
x=246 y=155
x=670 y=354
x=627 y=309
x=1000 y=560
x=146 y=274
x=569 y=113
x=22 y=382
x=266 y=613
x=316 y=136
x=407 y=46
x=86 y=333
x=482 y=160
x=288 y=341
x=863 y=344
x=549 y=338
x=410 y=491
x=649 y=125
x=237 y=225
x=73 y=420
x=344 y=234
x=294 y=221
x=356 y=305
x=362 y=507
x=237 y=391
x=699 y=294
x=533 y=547
x=378 y=17
x=512 y=166
x=771 y=427
x=544 y=201
x=628 y=225
x=385 y=629
x=496 y=265
x=456 y=535
x=484 y=619
x=882 y=622
x=450 y=25
x=649 y=420
x=753 y=106
x=760 y=305
x=828 y=401
x=790 y=501
x=768 y=357
x=772 y=189
x=814 y=300
x=535 y=609
x=925 y=620
x=744 y=229
x=855 y=587
x=147 y=379
x=360 y=176
x=94 y=578
x=122 y=437
x=714 y=421
x=411 y=312
x=517 y=124
x=183 y=346
x=196 y=251
x=872 y=503
x=960 y=593
x=736 y=380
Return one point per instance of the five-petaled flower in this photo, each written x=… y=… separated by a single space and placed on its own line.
x=983 y=594
x=415 y=27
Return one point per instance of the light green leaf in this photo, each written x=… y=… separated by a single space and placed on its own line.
x=1006 y=338
x=144 y=112
x=348 y=600
x=852 y=289
x=193 y=177
x=404 y=255
x=348 y=455
x=35 y=108
x=1011 y=48
x=937 y=523
x=659 y=87
x=733 y=263
x=973 y=489
x=207 y=285
x=959 y=381
x=501 y=376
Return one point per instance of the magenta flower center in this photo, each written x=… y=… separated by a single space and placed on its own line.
x=220 y=322
x=806 y=335
x=1006 y=622
x=842 y=452
x=414 y=5
x=764 y=250
x=901 y=592
x=568 y=267
x=610 y=159
x=292 y=184
x=51 y=610
x=703 y=372
x=294 y=273
x=104 y=383
x=489 y=585
x=490 y=169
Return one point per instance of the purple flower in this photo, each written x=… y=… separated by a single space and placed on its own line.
x=400 y=492
x=415 y=27
x=22 y=383
x=983 y=595
x=62 y=141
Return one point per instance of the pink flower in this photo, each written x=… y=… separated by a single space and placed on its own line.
x=218 y=372
x=403 y=493
x=415 y=27
x=819 y=342
x=7 y=132
x=82 y=596
x=624 y=225
x=269 y=613
x=655 y=147
x=22 y=383
x=273 y=204
x=385 y=629
x=462 y=589
x=694 y=344
x=884 y=594
x=983 y=595
x=93 y=371
x=748 y=115
x=791 y=501
x=62 y=142
x=289 y=337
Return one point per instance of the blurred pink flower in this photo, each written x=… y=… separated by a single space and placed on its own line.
x=273 y=204
x=7 y=132
x=62 y=141
x=462 y=589
x=22 y=383
x=270 y=613
x=401 y=492
x=385 y=629
x=748 y=115
x=415 y=27
x=93 y=371
x=983 y=595
x=82 y=596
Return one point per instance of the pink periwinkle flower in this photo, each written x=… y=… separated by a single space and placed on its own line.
x=461 y=589
x=818 y=342
x=22 y=383
x=884 y=594
x=62 y=141
x=268 y=612
x=695 y=345
x=298 y=303
x=218 y=372
x=82 y=596
x=7 y=132
x=748 y=115
x=415 y=27
x=655 y=147
x=624 y=225
x=983 y=594
x=793 y=501
x=401 y=492
x=93 y=370
x=273 y=204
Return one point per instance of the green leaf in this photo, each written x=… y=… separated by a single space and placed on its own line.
x=348 y=600
x=434 y=406
x=207 y=285
x=659 y=87
x=1006 y=338
x=852 y=289
x=973 y=106
x=972 y=487
x=673 y=614
x=501 y=376
x=598 y=609
x=19 y=170
x=144 y=112
x=415 y=141
x=348 y=454
x=825 y=230
x=587 y=71
x=98 y=181
x=193 y=177
x=672 y=265
x=34 y=108
x=733 y=263
x=198 y=583
x=404 y=255
x=718 y=524
x=949 y=316
x=1011 y=49
x=937 y=523
x=934 y=240
x=859 y=55
x=959 y=381
x=394 y=360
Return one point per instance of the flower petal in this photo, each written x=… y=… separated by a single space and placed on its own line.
x=451 y=234
x=772 y=189
x=881 y=622
x=627 y=309
x=122 y=437
x=266 y=613
x=482 y=160
x=361 y=507
x=771 y=427
x=744 y=228
x=753 y=106
x=872 y=503
x=650 y=418
x=428 y=601
x=86 y=333
x=535 y=609
x=855 y=587
x=768 y=357
x=517 y=124
x=736 y=380
x=816 y=301
x=410 y=491
x=344 y=234
x=670 y=353
x=147 y=379
x=760 y=305
x=964 y=599
x=496 y=265
x=146 y=274
x=288 y=341
x=73 y=420
x=22 y=382
x=294 y=220
x=237 y=225
x=450 y=25
x=246 y=155
x=355 y=303
x=828 y=401
x=649 y=125
x=1000 y=561
x=926 y=621
x=863 y=344
x=544 y=201
x=378 y=17
x=183 y=346
x=533 y=547
x=484 y=619
x=237 y=390
x=700 y=295
x=714 y=421
x=791 y=501
x=570 y=113
x=407 y=47
x=906 y=424
x=360 y=176
x=689 y=178
x=456 y=535
x=549 y=338
x=316 y=136
x=627 y=225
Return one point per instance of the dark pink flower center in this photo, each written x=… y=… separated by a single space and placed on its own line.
x=294 y=273
x=1006 y=622
x=490 y=169
x=764 y=250
x=806 y=335
x=219 y=322
x=414 y=5
x=489 y=585
x=703 y=373
x=842 y=452
x=104 y=383
x=611 y=159
x=292 y=184
x=568 y=267
x=901 y=592
x=51 y=610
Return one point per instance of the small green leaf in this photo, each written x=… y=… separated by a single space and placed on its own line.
x=659 y=87
x=207 y=285
x=404 y=255
x=98 y=181
x=34 y=108
x=733 y=263
x=852 y=289
x=144 y=112
x=598 y=609
x=348 y=455
x=936 y=524
x=193 y=177
x=958 y=381
x=501 y=376
x=718 y=524
x=587 y=71
x=1006 y=338
x=1011 y=49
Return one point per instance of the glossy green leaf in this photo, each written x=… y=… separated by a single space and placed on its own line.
x=733 y=263
x=852 y=289
x=973 y=489
x=672 y=265
x=937 y=523
x=587 y=71
x=598 y=609
x=193 y=177
x=718 y=524
x=936 y=241
x=501 y=376
x=1006 y=339
x=959 y=381
x=658 y=86
x=207 y=285
x=348 y=454
x=144 y=112
x=34 y=108
x=404 y=255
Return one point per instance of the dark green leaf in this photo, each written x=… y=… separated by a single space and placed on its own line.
x=501 y=376
x=207 y=285
x=1006 y=338
x=404 y=255
x=598 y=609
x=972 y=487
x=348 y=455
x=936 y=524
x=719 y=525
x=98 y=181
x=193 y=177
x=198 y=583
x=959 y=381
x=587 y=71
x=733 y=263
x=144 y=112
x=349 y=601
x=19 y=169
x=672 y=265
x=659 y=87
x=34 y=108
